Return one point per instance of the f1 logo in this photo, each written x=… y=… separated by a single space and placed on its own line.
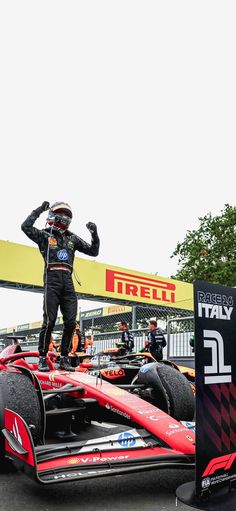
x=220 y=373
x=224 y=462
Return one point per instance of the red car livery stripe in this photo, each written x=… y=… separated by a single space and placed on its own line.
x=107 y=457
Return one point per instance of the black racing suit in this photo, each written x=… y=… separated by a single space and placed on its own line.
x=128 y=340
x=58 y=249
x=156 y=343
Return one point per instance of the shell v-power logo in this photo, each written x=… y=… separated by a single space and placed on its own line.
x=121 y=283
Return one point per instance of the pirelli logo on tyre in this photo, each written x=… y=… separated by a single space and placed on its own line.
x=137 y=286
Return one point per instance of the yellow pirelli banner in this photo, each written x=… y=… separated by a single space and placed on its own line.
x=24 y=265
x=115 y=309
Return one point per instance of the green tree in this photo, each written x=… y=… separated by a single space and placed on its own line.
x=209 y=253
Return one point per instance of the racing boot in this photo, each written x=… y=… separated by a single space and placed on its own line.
x=65 y=364
x=42 y=365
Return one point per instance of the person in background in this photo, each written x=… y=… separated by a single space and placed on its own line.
x=78 y=345
x=18 y=348
x=88 y=344
x=155 y=340
x=52 y=345
x=57 y=246
x=192 y=342
x=127 y=339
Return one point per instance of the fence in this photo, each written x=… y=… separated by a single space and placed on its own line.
x=137 y=318
x=104 y=330
x=103 y=341
x=104 y=319
x=179 y=331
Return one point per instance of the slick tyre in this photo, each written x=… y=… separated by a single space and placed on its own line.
x=180 y=394
x=17 y=393
x=171 y=391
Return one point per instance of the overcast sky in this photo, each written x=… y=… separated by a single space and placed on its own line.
x=124 y=109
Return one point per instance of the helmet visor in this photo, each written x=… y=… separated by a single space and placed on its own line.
x=58 y=218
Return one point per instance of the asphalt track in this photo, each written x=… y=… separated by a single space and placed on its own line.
x=133 y=492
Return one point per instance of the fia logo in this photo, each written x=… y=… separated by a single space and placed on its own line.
x=206 y=483
x=218 y=371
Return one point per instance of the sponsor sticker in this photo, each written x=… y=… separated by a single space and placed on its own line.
x=190 y=438
x=73 y=461
x=206 y=482
x=113 y=373
x=126 y=440
x=189 y=425
x=115 y=410
x=52 y=241
x=174 y=431
x=146 y=368
x=62 y=255
x=96 y=459
x=73 y=475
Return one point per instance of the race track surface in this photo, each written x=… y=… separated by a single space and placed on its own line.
x=133 y=492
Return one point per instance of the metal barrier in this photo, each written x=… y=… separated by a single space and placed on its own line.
x=177 y=334
x=108 y=340
x=179 y=331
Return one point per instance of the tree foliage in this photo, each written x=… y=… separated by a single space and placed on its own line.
x=209 y=253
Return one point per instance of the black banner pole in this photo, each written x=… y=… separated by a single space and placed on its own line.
x=215 y=366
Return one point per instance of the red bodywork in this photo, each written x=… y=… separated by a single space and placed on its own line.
x=175 y=444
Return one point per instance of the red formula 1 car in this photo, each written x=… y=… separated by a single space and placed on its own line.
x=60 y=426
x=118 y=368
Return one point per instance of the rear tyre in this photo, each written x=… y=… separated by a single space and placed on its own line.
x=17 y=393
x=171 y=391
x=179 y=391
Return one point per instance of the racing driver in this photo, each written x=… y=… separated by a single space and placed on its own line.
x=57 y=246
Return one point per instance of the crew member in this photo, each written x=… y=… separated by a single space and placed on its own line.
x=78 y=345
x=18 y=348
x=57 y=246
x=126 y=338
x=155 y=340
x=192 y=342
x=52 y=345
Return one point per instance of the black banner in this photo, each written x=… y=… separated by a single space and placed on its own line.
x=215 y=353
